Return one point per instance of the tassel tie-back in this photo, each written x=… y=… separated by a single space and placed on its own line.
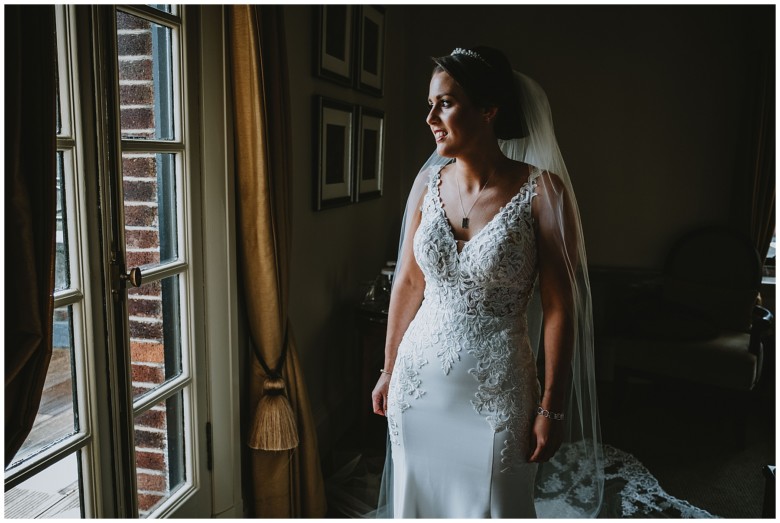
x=274 y=426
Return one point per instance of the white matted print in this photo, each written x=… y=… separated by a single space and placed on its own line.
x=334 y=160
x=371 y=42
x=335 y=43
x=371 y=149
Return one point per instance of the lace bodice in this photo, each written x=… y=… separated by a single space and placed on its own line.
x=493 y=275
x=475 y=300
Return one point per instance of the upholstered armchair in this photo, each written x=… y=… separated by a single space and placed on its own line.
x=700 y=323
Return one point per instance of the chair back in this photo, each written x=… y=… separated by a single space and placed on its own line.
x=717 y=273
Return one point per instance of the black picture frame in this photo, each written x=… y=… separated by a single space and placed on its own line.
x=369 y=172
x=335 y=153
x=370 y=50
x=334 y=48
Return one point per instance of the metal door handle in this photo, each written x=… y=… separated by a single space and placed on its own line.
x=134 y=277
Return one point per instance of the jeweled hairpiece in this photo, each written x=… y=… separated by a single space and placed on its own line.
x=469 y=52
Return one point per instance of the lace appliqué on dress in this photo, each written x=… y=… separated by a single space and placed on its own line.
x=480 y=296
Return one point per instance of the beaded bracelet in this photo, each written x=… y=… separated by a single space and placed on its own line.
x=383 y=371
x=557 y=416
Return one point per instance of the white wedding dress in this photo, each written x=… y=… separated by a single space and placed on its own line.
x=464 y=388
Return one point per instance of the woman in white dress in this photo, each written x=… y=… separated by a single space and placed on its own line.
x=492 y=244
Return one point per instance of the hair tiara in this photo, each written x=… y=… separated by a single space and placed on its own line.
x=470 y=53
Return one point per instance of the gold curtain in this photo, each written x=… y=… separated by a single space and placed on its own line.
x=30 y=206
x=285 y=483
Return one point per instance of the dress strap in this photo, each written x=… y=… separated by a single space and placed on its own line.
x=534 y=174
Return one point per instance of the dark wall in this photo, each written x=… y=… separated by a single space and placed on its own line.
x=649 y=106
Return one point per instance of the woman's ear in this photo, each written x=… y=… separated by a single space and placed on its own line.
x=489 y=113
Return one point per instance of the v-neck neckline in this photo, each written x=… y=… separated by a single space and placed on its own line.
x=501 y=210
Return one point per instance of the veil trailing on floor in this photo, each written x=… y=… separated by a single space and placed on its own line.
x=572 y=483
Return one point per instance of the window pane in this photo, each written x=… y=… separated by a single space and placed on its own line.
x=166 y=8
x=58 y=414
x=150 y=208
x=159 y=453
x=52 y=493
x=62 y=264
x=145 y=78
x=155 y=339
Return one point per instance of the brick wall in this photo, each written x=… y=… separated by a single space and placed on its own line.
x=139 y=171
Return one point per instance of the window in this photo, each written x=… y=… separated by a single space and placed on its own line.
x=51 y=465
x=123 y=425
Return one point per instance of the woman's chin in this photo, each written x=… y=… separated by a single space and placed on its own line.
x=443 y=150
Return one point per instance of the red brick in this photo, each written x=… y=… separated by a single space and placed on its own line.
x=137 y=118
x=139 y=167
x=126 y=21
x=147 y=289
x=148 y=501
x=134 y=44
x=149 y=439
x=146 y=331
x=142 y=239
x=138 y=259
x=140 y=191
x=140 y=215
x=136 y=94
x=148 y=374
x=140 y=390
x=135 y=69
x=150 y=460
x=153 y=482
x=154 y=419
x=147 y=352
x=146 y=308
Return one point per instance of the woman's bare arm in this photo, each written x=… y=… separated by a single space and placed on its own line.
x=405 y=300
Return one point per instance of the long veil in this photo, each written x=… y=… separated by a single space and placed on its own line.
x=572 y=483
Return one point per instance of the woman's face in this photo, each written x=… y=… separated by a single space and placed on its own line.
x=456 y=123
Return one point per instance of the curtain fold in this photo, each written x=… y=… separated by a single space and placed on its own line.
x=30 y=207
x=753 y=190
x=285 y=483
x=762 y=175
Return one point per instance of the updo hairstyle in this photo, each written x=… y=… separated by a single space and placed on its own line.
x=486 y=76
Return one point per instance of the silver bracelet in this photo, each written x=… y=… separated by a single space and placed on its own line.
x=557 y=416
x=383 y=371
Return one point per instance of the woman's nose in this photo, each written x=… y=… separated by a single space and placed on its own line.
x=432 y=116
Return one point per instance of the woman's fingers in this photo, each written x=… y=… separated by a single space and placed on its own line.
x=379 y=396
x=378 y=401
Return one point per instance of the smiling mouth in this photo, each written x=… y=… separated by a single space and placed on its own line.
x=439 y=135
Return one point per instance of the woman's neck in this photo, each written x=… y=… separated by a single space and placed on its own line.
x=475 y=169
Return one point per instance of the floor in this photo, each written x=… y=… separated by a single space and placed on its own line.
x=687 y=442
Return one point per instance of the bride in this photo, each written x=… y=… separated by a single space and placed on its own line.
x=492 y=267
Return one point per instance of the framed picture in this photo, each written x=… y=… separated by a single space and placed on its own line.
x=371 y=49
x=334 y=53
x=333 y=169
x=370 y=157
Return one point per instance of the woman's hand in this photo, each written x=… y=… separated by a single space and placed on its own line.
x=546 y=439
x=379 y=395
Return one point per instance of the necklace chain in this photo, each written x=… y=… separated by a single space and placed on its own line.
x=465 y=221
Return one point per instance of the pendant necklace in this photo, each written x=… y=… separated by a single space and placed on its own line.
x=465 y=222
